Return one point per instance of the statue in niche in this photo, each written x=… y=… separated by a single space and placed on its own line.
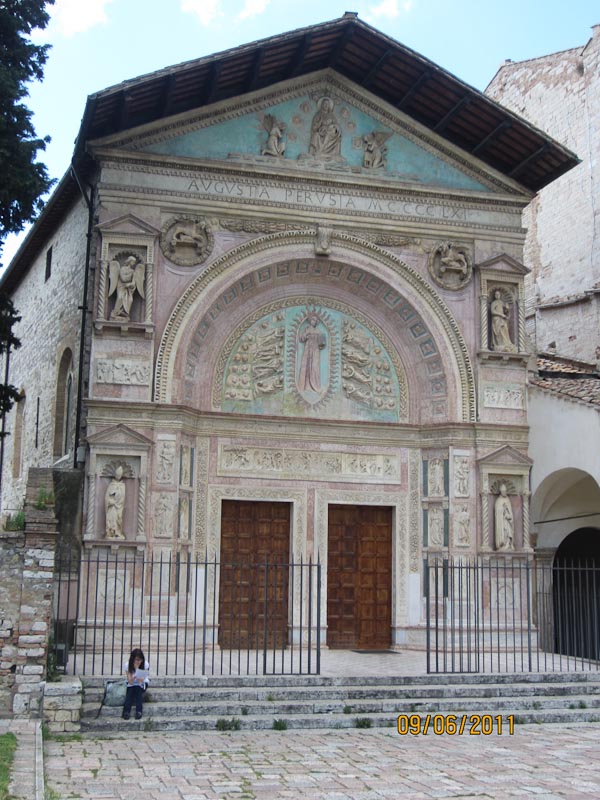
x=500 y=334
x=309 y=378
x=114 y=504
x=436 y=477
x=125 y=279
x=374 y=149
x=275 y=146
x=504 y=525
x=325 y=132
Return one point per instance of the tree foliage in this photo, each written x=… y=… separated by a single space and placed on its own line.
x=23 y=179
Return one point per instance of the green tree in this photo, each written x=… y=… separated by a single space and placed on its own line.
x=23 y=179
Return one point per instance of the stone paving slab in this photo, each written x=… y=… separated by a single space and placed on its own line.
x=27 y=778
x=548 y=762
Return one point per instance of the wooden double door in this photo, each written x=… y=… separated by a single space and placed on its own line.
x=359 y=577
x=254 y=574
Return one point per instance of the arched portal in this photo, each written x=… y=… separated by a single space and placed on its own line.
x=576 y=595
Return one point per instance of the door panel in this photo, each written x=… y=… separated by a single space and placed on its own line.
x=253 y=585
x=359 y=577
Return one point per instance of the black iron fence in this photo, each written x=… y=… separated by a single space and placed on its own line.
x=511 y=615
x=190 y=616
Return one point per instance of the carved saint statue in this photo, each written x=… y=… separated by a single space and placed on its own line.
x=504 y=526
x=125 y=280
x=375 y=151
x=309 y=379
x=325 y=132
x=275 y=146
x=500 y=334
x=114 y=503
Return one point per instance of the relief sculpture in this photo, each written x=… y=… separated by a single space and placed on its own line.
x=374 y=149
x=325 y=132
x=365 y=369
x=313 y=339
x=275 y=146
x=125 y=279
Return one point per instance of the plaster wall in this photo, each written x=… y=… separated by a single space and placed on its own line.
x=50 y=323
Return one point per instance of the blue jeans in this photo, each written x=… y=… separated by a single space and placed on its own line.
x=135 y=695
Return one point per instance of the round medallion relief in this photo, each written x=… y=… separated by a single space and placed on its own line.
x=186 y=240
x=450 y=265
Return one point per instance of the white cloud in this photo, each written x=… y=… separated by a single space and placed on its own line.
x=390 y=9
x=68 y=17
x=253 y=8
x=205 y=10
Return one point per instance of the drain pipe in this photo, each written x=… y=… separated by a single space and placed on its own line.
x=89 y=201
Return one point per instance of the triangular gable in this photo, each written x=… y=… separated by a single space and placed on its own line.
x=237 y=131
x=120 y=435
x=504 y=263
x=505 y=456
x=127 y=223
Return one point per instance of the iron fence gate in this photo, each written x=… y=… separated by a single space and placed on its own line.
x=190 y=616
x=511 y=615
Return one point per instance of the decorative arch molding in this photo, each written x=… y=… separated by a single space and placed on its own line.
x=281 y=241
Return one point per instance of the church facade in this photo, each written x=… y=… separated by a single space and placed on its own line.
x=303 y=325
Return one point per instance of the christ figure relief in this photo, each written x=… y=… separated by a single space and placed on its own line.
x=309 y=378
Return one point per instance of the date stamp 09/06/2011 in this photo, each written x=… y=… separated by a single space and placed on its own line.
x=450 y=724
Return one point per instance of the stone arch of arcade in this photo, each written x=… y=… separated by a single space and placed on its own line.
x=360 y=291
x=565 y=501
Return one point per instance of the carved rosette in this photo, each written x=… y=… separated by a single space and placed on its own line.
x=187 y=240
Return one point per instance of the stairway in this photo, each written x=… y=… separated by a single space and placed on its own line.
x=285 y=701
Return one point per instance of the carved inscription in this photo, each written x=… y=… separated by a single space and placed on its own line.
x=287 y=464
x=123 y=371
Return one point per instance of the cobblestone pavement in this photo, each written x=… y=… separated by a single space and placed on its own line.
x=543 y=761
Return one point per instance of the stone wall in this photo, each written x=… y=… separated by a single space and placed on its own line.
x=35 y=366
x=62 y=705
x=560 y=93
x=11 y=573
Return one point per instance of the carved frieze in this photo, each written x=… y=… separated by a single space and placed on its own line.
x=290 y=464
x=187 y=240
x=503 y=395
x=130 y=372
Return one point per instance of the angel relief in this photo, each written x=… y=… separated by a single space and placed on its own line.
x=275 y=145
x=374 y=149
x=125 y=279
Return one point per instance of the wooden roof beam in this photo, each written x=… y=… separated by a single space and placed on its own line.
x=300 y=55
x=210 y=84
x=254 y=72
x=369 y=77
x=503 y=126
x=441 y=125
x=533 y=157
x=342 y=42
x=423 y=78
x=165 y=103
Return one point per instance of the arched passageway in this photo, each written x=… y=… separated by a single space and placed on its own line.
x=576 y=595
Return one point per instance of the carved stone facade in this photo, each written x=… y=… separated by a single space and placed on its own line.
x=291 y=300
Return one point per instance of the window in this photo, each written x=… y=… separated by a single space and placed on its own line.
x=48 y=264
x=63 y=428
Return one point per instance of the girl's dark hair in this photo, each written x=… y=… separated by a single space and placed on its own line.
x=137 y=653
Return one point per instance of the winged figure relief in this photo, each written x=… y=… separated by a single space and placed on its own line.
x=375 y=150
x=125 y=279
x=275 y=145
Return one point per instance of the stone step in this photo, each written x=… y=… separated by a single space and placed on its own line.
x=109 y=725
x=384 y=704
x=177 y=695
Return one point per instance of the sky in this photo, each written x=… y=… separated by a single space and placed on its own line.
x=99 y=43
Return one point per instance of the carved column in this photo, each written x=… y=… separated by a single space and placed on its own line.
x=521 y=324
x=91 y=517
x=485 y=345
x=102 y=289
x=526 y=539
x=141 y=511
x=485 y=521
x=149 y=290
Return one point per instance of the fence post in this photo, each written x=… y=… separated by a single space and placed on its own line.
x=427 y=613
x=528 y=578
